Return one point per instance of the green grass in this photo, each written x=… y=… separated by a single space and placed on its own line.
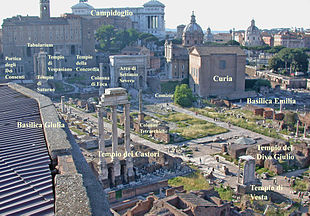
x=193 y=181
x=77 y=131
x=301 y=185
x=263 y=170
x=225 y=193
x=240 y=122
x=190 y=127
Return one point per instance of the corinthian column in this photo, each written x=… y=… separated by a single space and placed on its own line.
x=101 y=89
x=297 y=129
x=129 y=175
x=103 y=171
x=116 y=179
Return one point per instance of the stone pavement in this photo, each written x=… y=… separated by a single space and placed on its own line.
x=207 y=161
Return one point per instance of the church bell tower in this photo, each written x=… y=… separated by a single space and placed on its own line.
x=44 y=9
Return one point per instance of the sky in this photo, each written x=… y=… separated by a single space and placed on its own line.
x=219 y=15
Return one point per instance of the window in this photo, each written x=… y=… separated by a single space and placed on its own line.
x=28 y=51
x=72 y=50
x=222 y=64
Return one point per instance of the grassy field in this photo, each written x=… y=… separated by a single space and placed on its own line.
x=225 y=193
x=248 y=122
x=193 y=181
x=301 y=185
x=264 y=170
x=190 y=127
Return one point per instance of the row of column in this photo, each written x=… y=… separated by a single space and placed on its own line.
x=103 y=171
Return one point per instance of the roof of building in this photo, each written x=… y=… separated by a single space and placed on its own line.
x=252 y=28
x=153 y=3
x=77 y=190
x=193 y=27
x=34 y=20
x=245 y=141
x=25 y=177
x=209 y=50
x=195 y=200
x=82 y=5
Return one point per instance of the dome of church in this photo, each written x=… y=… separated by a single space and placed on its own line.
x=193 y=27
x=154 y=3
x=82 y=5
x=252 y=28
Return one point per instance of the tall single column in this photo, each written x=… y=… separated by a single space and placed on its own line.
x=305 y=130
x=297 y=128
x=116 y=179
x=103 y=170
x=140 y=114
x=101 y=90
x=140 y=101
x=129 y=161
x=62 y=100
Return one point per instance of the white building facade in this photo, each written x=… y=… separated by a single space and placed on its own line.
x=253 y=36
x=149 y=19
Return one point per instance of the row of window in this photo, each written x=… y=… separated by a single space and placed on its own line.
x=44 y=36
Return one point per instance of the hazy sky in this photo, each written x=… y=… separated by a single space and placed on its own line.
x=216 y=14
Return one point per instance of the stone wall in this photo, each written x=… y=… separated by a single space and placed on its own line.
x=142 y=207
x=138 y=190
x=250 y=70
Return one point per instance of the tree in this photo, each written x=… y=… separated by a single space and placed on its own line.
x=183 y=96
x=177 y=41
x=275 y=63
x=232 y=42
x=286 y=56
x=106 y=35
x=296 y=59
x=290 y=119
x=275 y=49
x=256 y=84
x=300 y=60
x=111 y=39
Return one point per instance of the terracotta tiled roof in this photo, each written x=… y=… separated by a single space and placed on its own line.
x=25 y=178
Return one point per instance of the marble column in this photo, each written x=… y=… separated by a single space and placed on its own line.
x=103 y=171
x=101 y=89
x=116 y=179
x=140 y=100
x=129 y=173
x=305 y=130
x=141 y=114
x=297 y=128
